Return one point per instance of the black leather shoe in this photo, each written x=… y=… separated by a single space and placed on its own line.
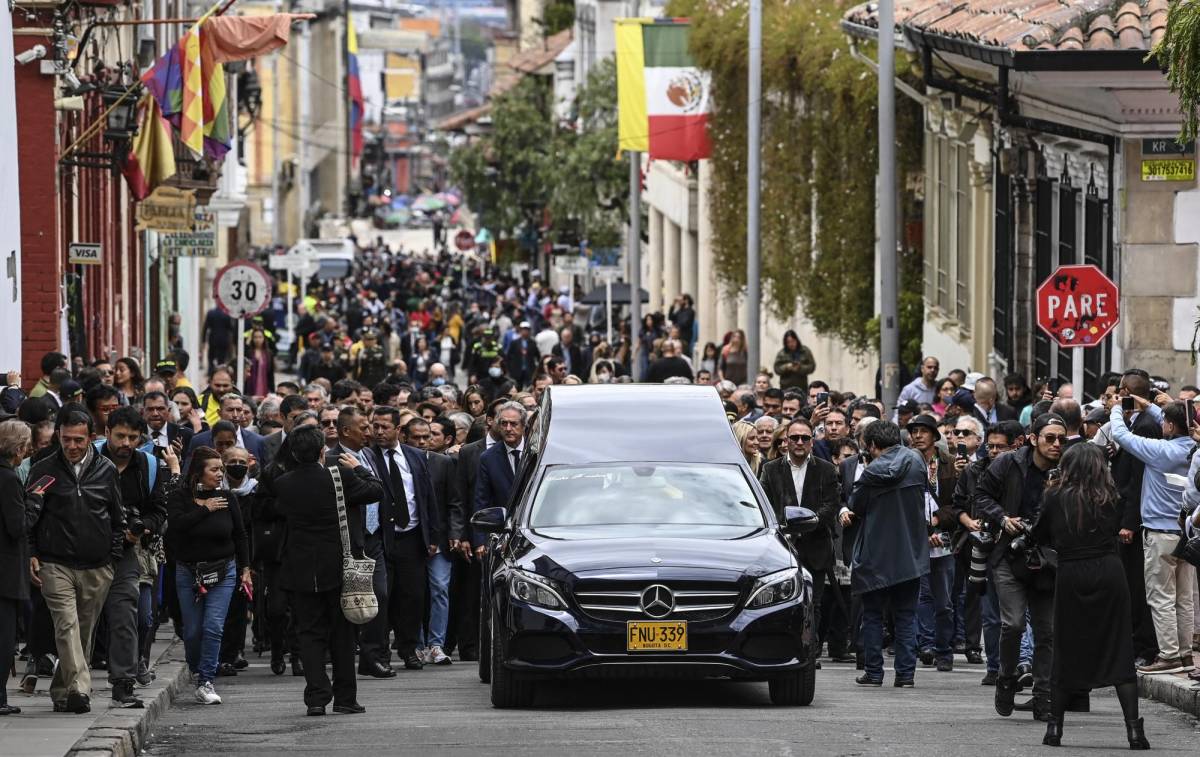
x=1136 y=733
x=866 y=680
x=78 y=703
x=8 y=709
x=376 y=670
x=297 y=667
x=226 y=669
x=945 y=666
x=278 y=666
x=1006 y=691
x=926 y=656
x=412 y=662
x=354 y=708
x=903 y=683
x=989 y=678
x=1053 y=735
x=316 y=710
x=974 y=657
x=841 y=657
x=241 y=663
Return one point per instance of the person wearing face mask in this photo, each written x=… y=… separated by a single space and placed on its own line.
x=245 y=488
x=437 y=374
x=602 y=372
x=494 y=379
x=207 y=539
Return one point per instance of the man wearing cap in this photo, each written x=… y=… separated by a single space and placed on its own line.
x=327 y=366
x=1009 y=495
x=935 y=609
x=370 y=364
x=166 y=370
x=523 y=356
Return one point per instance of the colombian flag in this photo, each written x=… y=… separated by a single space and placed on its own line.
x=354 y=90
x=662 y=96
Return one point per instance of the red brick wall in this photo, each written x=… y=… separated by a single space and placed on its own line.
x=41 y=251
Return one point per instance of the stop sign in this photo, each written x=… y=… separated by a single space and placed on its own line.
x=464 y=240
x=1078 y=306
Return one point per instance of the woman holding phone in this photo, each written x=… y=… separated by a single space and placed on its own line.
x=208 y=542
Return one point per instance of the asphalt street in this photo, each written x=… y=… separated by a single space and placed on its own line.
x=446 y=711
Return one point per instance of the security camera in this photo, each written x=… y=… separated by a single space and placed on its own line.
x=37 y=52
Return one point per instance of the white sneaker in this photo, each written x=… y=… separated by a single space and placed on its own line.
x=206 y=694
x=438 y=657
x=423 y=655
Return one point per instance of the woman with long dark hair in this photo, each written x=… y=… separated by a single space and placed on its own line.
x=1093 y=641
x=127 y=376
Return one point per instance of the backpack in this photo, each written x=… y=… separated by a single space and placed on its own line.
x=151 y=464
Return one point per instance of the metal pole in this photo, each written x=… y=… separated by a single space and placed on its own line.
x=753 y=155
x=889 y=331
x=634 y=261
x=305 y=114
x=608 y=308
x=241 y=363
x=1077 y=373
x=277 y=219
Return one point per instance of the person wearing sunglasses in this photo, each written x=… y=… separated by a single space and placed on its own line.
x=1168 y=578
x=1009 y=495
x=800 y=478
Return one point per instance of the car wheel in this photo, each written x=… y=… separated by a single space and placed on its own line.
x=794 y=689
x=509 y=689
x=485 y=641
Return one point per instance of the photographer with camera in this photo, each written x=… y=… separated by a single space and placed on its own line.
x=143 y=480
x=1009 y=495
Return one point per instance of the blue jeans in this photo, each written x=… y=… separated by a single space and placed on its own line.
x=935 y=611
x=903 y=600
x=439 y=600
x=991 y=627
x=203 y=619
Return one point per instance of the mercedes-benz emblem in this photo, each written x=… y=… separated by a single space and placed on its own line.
x=657 y=601
x=656 y=560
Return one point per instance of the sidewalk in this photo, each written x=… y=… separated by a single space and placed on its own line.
x=1175 y=690
x=40 y=732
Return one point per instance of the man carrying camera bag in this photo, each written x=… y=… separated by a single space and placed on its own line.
x=1009 y=494
x=142 y=479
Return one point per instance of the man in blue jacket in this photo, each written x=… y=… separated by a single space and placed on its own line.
x=891 y=552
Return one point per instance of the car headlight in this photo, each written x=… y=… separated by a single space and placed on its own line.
x=774 y=588
x=533 y=589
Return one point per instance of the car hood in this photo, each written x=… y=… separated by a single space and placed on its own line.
x=557 y=555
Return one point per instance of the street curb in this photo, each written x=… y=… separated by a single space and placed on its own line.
x=122 y=733
x=1174 y=690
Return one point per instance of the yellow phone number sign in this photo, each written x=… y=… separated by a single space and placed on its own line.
x=1169 y=170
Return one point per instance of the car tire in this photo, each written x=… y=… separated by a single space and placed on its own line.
x=485 y=641
x=509 y=689
x=794 y=689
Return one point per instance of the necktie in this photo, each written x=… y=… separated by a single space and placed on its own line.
x=399 y=495
x=373 y=508
x=516 y=458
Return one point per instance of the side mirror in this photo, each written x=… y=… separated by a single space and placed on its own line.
x=796 y=520
x=490 y=520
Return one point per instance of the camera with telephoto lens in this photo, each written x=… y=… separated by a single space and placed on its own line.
x=135 y=524
x=982 y=544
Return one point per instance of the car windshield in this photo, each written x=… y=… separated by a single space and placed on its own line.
x=652 y=494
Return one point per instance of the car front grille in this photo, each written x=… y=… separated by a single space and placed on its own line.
x=622 y=600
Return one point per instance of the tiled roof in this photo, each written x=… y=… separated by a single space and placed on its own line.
x=1022 y=25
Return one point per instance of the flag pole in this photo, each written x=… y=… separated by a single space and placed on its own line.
x=634 y=262
x=753 y=187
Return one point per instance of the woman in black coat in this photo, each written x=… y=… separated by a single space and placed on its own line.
x=1093 y=643
x=14 y=546
x=312 y=564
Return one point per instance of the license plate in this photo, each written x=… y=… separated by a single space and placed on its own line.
x=656 y=636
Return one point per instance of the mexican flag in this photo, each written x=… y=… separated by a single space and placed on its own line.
x=662 y=97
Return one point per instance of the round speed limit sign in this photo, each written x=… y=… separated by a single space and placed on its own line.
x=242 y=289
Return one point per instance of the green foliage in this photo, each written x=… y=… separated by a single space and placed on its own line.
x=1179 y=52
x=558 y=15
x=818 y=162
x=530 y=163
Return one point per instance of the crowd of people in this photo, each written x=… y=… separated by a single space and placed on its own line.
x=980 y=520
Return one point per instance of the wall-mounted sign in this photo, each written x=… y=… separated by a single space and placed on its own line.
x=1179 y=169
x=1167 y=146
x=83 y=253
x=167 y=209
x=200 y=242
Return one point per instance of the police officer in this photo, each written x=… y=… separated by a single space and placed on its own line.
x=370 y=366
x=484 y=354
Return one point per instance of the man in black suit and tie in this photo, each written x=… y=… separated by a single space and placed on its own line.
x=162 y=433
x=447 y=513
x=499 y=465
x=409 y=532
x=799 y=478
x=231 y=410
x=465 y=602
x=292 y=405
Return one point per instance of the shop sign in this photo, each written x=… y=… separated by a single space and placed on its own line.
x=167 y=209
x=200 y=242
x=83 y=253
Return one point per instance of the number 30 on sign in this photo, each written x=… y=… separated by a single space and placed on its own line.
x=242 y=289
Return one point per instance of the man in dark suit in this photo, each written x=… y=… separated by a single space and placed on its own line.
x=465 y=601
x=162 y=433
x=522 y=356
x=799 y=478
x=447 y=513
x=409 y=533
x=312 y=567
x=987 y=408
x=231 y=409
x=498 y=466
x=292 y=406
x=568 y=349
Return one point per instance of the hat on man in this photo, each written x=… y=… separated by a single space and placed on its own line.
x=1047 y=419
x=964 y=398
x=525 y=325
x=970 y=381
x=1098 y=416
x=166 y=367
x=924 y=421
x=70 y=388
x=908 y=407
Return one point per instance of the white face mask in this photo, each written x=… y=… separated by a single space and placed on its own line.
x=604 y=377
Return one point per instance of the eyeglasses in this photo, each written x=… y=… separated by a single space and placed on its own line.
x=963 y=432
x=800 y=438
x=106 y=373
x=1054 y=438
x=329 y=422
